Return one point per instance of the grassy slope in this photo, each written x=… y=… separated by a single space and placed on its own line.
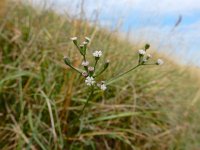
x=153 y=108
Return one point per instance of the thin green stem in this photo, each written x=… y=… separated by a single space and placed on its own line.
x=120 y=75
x=95 y=64
x=149 y=64
x=84 y=58
x=88 y=99
x=100 y=72
x=75 y=69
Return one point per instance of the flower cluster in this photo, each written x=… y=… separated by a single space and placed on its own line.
x=144 y=57
x=89 y=72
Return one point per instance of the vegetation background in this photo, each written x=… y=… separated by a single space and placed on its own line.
x=154 y=108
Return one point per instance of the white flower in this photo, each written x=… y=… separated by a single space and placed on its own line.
x=160 y=62
x=89 y=81
x=103 y=87
x=97 y=53
x=141 y=52
x=149 y=55
x=85 y=63
x=74 y=38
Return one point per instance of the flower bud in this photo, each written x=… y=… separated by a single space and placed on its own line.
x=85 y=74
x=90 y=69
x=83 y=48
x=147 y=46
x=85 y=63
x=87 y=39
x=67 y=61
x=74 y=39
x=106 y=64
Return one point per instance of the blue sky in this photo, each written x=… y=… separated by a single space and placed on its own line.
x=148 y=20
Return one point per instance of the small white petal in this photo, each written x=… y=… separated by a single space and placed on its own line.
x=74 y=38
x=160 y=62
x=97 y=53
x=103 y=87
x=89 y=81
x=141 y=52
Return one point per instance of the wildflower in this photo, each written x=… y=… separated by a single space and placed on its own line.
x=87 y=39
x=149 y=56
x=97 y=54
x=90 y=69
x=141 y=52
x=102 y=86
x=160 y=62
x=85 y=74
x=89 y=81
x=85 y=63
x=74 y=38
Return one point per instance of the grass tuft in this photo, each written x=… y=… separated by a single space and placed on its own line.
x=152 y=108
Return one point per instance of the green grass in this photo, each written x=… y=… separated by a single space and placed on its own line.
x=153 y=108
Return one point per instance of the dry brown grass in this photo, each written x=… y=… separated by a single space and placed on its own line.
x=154 y=108
x=3 y=5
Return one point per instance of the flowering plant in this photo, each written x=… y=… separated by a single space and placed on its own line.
x=90 y=72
